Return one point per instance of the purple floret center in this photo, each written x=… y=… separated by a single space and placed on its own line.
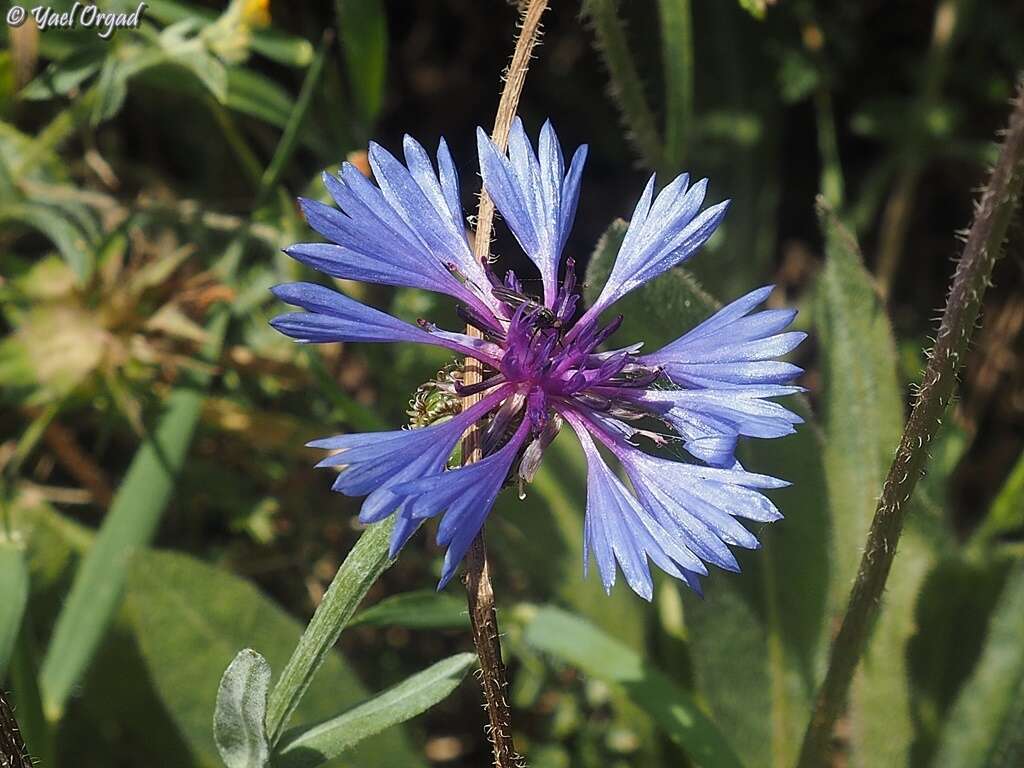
x=548 y=358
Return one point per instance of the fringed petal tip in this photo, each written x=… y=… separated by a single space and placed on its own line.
x=534 y=193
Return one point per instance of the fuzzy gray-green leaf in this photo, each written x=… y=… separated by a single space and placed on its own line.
x=309 y=747
x=238 y=720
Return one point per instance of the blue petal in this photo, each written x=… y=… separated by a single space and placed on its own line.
x=373 y=464
x=659 y=237
x=733 y=348
x=465 y=496
x=617 y=528
x=333 y=316
x=711 y=420
x=534 y=194
x=416 y=196
x=698 y=504
x=405 y=233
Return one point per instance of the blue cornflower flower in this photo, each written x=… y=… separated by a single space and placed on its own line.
x=542 y=366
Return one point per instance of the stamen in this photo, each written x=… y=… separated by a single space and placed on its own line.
x=464 y=390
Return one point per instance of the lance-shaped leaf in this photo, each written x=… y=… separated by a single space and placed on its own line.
x=309 y=747
x=863 y=419
x=422 y=609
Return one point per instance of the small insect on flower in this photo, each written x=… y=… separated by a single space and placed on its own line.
x=544 y=363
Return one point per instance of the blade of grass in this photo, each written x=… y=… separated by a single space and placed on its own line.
x=290 y=136
x=677 y=62
x=364 y=34
x=14 y=588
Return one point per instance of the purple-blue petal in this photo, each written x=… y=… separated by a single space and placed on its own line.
x=660 y=236
x=733 y=348
x=465 y=496
x=374 y=464
x=618 y=529
x=331 y=316
x=534 y=195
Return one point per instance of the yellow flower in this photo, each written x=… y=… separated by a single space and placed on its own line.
x=256 y=13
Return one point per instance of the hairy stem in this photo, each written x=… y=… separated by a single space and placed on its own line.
x=983 y=245
x=480 y=593
x=13 y=752
x=626 y=86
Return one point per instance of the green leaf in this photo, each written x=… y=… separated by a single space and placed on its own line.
x=305 y=748
x=757 y=652
x=282 y=48
x=190 y=620
x=14 y=588
x=238 y=720
x=60 y=77
x=863 y=419
x=258 y=96
x=362 y=25
x=986 y=724
x=579 y=643
x=1006 y=514
x=275 y=45
x=111 y=90
x=61 y=230
x=209 y=70
x=863 y=405
x=423 y=609
x=962 y=593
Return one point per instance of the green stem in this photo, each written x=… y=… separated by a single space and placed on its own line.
x=628 y=91
x=363 y=566
x=828 y=147
x=983 y=245
x=290 y=135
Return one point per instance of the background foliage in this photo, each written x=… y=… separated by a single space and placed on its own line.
x=160 y=513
